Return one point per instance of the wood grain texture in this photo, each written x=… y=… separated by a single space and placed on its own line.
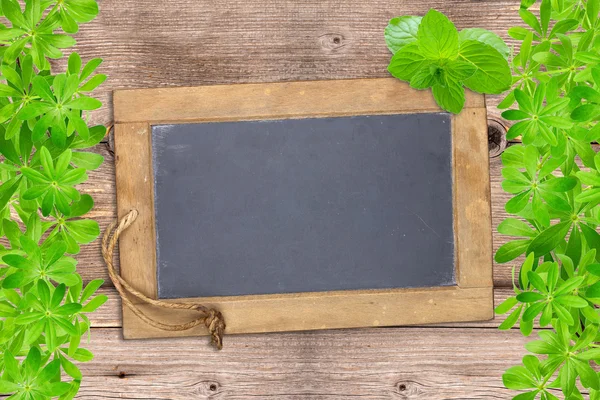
x=243 y=102
x=394 y=363
x=148 y=44
x=188 y=43
x=322 y=310
x=472 y=205
x=135 y=190
x=109 y=315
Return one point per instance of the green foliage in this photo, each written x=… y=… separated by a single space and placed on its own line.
x=429 y=52
x=554 y=177
x=43 y=132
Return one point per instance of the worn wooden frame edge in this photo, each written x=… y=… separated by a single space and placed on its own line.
x=471 y=299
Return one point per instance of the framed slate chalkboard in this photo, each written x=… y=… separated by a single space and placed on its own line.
x=304 y=205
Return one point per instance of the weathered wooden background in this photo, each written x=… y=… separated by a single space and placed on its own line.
x=154 y=43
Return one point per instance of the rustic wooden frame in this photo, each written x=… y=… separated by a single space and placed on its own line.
x=471 y=299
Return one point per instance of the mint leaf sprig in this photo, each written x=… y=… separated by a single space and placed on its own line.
x=429 y=52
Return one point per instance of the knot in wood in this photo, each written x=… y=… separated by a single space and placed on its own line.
x=332 y=41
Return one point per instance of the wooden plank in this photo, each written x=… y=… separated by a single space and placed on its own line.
x=191 y=43
x=322 y=310
x=403 y=363
x=135 y=190
x=472 y=207
x=109 y=315
x=242 y=102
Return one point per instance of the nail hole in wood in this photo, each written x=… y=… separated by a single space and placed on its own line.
x=402 y=387
x=212 y=387
x=122 y=375
x=496 y=138
x=336 y=40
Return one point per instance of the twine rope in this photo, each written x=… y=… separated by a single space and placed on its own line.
x=211 y=318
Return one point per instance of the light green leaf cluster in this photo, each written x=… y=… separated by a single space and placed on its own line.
x=429 y=52
x=44 y=132
x=554 y=179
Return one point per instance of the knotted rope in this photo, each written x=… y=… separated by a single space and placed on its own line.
x=210 y=317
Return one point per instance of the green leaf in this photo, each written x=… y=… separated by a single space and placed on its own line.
x=537 y=282
x=12 y=11
x=11 y=366
x=83 y=230
x=559 y=184
x=518 y=378
x=459 y=70
x=568 y=377
x=547 y=240
x=42 y=89
x=406 y=62
x=593 y=291
x=589 y=178
x=515 y=227
x=437 y=37
x=93 y=83
x=589 y=196
x=531 y=20
x=7 y=387
x=91 y=288
x=518 y=203
x=90 y=66
x=515 y=115
x=586 y=92
x=571 y=301
x=533 y=311
x=585 y=112
x=423 y=79
x=86 y=160
x=84 y=103
x=511 y=320
x=493 y=74
x=401 y=31
x=530 y=297
x=83 y=355
x=511 y=250
x=545 y=11
x=450 y=97
x=549 y=59
x=70 y=368
x=98 y=301
x=7 y=190
x=592 y=354
x=524 y=271
x=506 y=305
x=486 y=37
x=74 y=63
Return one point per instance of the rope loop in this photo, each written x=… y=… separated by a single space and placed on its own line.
x=210 y=317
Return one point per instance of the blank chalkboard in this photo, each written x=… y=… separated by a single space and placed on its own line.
x=303 y=205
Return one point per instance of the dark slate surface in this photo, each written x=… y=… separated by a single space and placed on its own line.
x=303 y=205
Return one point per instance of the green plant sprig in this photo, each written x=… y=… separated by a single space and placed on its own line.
x=429 y=52
x=44 y=132
x=553 y=176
